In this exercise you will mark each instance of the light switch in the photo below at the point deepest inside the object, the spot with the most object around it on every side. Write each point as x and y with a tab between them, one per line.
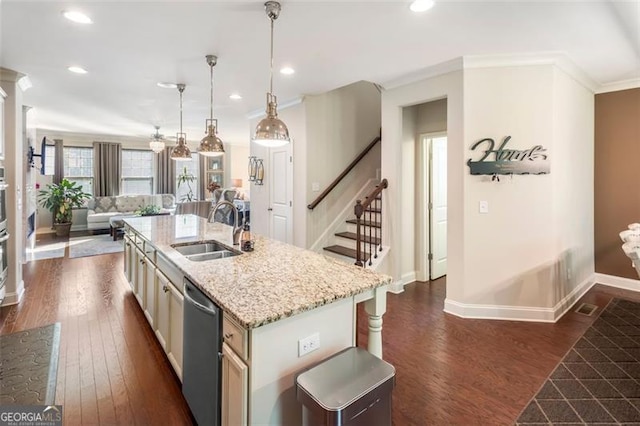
315	187
483	206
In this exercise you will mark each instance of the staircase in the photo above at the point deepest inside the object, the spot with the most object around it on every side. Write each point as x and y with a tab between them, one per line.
364	232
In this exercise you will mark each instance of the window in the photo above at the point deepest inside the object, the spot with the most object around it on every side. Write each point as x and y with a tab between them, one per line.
78	166
50	160
183	189
137	172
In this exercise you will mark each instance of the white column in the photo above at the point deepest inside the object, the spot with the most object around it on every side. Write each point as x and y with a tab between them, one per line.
14	160
376	307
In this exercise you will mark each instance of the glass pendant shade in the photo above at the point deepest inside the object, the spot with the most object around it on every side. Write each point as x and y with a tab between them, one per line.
156	146
157	142
181	151
211	145
271	131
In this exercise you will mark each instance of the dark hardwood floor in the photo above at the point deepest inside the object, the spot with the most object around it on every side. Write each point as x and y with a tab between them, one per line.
448	370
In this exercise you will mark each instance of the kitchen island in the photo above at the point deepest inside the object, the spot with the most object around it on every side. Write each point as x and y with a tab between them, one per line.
272	298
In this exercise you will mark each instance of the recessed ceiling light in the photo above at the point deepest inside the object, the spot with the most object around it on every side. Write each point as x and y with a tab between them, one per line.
421	5
165	85
235	96
77	70
78	17
287	71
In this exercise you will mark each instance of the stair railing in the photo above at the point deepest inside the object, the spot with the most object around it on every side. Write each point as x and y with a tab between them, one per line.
372	238
341	176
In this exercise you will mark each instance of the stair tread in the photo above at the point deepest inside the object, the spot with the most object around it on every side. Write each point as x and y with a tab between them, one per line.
346	252
366	223
352	236
369	209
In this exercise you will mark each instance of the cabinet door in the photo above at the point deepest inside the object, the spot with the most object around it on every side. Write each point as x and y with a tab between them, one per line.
128	259
138	288
162	309
150	293
176	314
234	388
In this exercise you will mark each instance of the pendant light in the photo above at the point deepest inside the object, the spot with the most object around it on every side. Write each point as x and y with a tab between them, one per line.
157	141
181	151
271	131
211	145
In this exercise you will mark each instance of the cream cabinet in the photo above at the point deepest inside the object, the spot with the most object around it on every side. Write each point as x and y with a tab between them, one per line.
162	309
150	290
235	388
128	258
138	282
176	319
235	373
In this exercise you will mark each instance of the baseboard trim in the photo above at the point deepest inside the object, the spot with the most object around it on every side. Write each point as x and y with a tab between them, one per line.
398	286
14	298
519	313
617	282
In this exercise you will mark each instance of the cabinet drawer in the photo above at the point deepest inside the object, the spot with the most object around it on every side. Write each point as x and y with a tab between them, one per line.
150	252
236	337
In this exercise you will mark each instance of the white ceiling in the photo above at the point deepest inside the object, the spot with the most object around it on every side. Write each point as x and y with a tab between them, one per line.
132	45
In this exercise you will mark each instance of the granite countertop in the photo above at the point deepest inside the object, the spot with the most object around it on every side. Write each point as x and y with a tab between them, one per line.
274	281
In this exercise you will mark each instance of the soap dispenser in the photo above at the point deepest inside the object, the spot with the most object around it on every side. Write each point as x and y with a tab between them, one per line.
246	241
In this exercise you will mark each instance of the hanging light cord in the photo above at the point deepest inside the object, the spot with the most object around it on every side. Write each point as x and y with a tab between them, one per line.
271	64
181	90
211	66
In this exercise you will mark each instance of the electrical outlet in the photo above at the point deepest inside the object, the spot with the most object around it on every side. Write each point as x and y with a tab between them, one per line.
308	344
315	186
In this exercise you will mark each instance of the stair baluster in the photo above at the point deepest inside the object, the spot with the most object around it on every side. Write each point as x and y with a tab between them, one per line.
358	212
377	241
370	235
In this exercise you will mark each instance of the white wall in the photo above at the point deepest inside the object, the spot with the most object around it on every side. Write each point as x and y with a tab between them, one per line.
509	251
399	224
535	246
340	124
14	161
294	118
328	132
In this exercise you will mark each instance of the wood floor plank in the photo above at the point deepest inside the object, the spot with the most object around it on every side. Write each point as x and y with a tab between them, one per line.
448	370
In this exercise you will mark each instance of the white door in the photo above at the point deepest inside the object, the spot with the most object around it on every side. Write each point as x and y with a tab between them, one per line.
438	203
281	194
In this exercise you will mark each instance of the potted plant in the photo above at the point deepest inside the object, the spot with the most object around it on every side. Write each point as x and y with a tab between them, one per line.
186	177
60	199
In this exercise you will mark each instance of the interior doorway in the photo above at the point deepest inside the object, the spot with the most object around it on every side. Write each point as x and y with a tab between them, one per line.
281	194
432	208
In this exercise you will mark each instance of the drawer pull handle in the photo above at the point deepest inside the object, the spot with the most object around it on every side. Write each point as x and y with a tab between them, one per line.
165	288
228	336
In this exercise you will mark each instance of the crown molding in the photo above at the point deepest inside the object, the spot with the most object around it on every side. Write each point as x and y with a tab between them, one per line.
425	73
619	85
559	59
10	75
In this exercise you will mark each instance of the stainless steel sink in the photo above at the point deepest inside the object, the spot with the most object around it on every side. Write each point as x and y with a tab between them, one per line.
209	250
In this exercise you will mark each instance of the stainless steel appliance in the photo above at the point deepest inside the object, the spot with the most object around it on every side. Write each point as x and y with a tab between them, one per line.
4	236
3	201
202	353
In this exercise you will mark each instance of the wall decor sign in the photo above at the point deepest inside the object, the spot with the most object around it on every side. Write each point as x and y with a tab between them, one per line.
505	161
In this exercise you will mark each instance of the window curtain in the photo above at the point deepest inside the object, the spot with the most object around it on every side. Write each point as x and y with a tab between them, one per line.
58	162
202	178
107	168
165	172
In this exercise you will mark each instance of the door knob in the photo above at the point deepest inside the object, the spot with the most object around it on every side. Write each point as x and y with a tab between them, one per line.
269	209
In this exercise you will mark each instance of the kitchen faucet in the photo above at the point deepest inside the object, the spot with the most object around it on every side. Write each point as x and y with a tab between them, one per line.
237	229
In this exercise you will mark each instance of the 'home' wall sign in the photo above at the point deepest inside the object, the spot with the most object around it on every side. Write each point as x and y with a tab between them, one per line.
508	161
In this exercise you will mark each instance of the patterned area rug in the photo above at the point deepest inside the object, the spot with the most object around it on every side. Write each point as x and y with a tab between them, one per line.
93	245
28	367
598	381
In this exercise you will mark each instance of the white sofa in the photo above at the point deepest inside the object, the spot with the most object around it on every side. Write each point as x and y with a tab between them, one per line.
101	209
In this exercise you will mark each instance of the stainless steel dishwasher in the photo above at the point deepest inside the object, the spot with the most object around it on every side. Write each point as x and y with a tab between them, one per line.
202	353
